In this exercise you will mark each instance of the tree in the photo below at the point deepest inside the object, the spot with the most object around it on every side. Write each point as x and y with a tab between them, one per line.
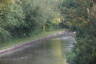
11	17
20	18
80	15
39	13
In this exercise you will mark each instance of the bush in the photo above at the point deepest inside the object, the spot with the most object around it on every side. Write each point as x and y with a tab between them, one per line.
4	35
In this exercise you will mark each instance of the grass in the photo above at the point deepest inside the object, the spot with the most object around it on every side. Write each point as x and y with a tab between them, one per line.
27	39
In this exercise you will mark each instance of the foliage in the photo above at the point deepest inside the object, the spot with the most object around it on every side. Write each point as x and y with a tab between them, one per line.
79	16
4	35
20	18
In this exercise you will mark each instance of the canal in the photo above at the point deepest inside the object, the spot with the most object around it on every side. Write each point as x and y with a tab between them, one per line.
51	51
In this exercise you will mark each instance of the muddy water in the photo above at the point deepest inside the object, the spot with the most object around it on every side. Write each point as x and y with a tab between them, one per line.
46	52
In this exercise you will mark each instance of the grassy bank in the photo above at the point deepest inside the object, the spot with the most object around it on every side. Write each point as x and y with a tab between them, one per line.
27	39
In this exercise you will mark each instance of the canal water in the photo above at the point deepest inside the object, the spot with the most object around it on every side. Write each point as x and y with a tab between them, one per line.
51	51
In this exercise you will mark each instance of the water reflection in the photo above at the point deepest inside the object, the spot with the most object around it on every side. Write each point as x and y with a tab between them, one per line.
47	52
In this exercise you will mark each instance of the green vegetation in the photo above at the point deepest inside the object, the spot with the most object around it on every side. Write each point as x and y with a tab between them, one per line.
19	19
79	16
22	19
